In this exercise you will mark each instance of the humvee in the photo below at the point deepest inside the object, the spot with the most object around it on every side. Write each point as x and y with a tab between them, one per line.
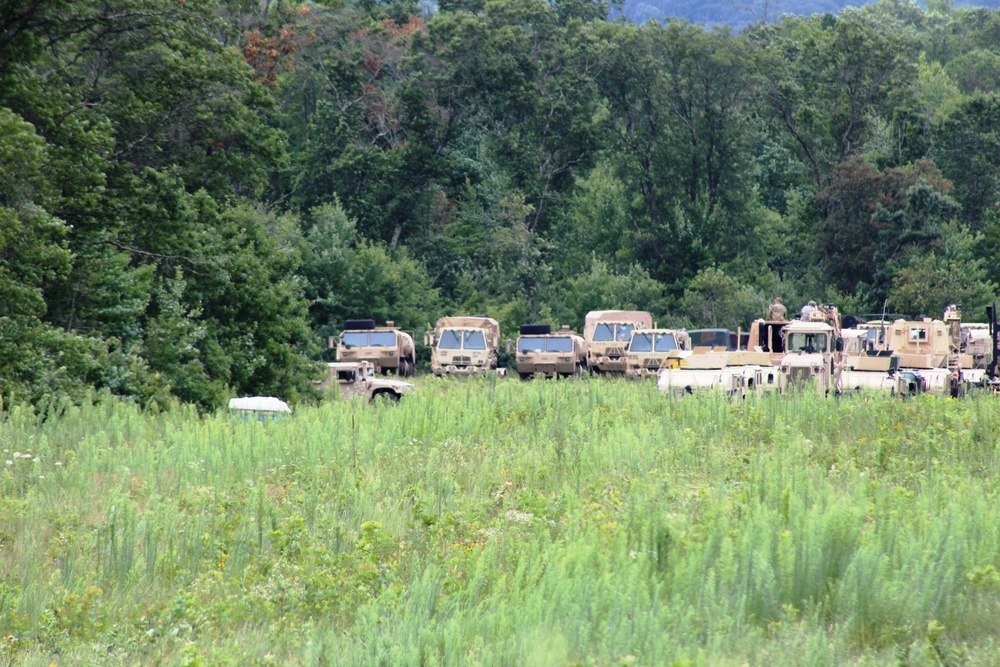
542	353
464	346
607	333
357	378
387	348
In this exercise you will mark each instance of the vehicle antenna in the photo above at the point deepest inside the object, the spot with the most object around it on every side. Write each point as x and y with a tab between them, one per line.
991	314
885	305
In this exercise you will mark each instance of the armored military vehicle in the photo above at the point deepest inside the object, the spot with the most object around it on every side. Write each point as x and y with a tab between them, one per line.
464	346
358	379
387	348
814	356
541	352
650	350
930	350
607	333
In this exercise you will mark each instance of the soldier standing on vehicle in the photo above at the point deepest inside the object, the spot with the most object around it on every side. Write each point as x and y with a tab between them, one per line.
777	312
808	310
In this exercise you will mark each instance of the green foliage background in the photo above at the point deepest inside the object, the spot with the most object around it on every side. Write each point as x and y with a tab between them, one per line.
194	195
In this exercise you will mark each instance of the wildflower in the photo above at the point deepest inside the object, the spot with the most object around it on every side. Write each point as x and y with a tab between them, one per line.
41	477
9	462
17	455
58	463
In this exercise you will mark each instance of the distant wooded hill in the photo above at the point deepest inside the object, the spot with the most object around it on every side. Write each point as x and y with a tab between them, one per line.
738	13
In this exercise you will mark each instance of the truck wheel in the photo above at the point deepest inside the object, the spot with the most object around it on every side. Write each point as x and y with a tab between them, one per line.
524	376
385	397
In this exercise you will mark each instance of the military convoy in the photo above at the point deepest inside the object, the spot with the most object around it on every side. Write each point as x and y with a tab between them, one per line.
464	346
892	355
387	348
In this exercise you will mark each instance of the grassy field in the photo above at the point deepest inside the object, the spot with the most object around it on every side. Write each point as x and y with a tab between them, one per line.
503	523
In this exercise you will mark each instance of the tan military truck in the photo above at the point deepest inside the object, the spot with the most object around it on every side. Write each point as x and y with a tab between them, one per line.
607	333
387	348
540	352
650	350
810	356
464	346
358	379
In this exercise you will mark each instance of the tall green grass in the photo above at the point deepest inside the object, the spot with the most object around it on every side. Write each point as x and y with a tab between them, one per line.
503	523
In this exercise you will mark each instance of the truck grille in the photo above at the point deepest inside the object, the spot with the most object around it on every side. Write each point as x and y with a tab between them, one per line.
799	375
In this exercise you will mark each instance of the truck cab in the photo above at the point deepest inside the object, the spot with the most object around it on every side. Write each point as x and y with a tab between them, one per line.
387	348
808	359
463	345
650	350
540	352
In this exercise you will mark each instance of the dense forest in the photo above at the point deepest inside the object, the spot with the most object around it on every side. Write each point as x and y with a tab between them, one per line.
195	193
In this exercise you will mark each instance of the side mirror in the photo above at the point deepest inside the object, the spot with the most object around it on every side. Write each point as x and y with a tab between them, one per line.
508	345
839	345
427	339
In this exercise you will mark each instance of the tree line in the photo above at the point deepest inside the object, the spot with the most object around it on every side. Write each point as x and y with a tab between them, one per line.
194	194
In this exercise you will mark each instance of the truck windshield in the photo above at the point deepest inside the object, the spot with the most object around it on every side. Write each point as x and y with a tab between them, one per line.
530	344
475	340
665	342
604	332
711	337
806	342
625	331
354	339
450	340
560	344
382	339
641	342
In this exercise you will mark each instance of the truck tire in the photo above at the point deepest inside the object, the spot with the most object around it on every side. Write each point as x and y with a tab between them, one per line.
385	397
